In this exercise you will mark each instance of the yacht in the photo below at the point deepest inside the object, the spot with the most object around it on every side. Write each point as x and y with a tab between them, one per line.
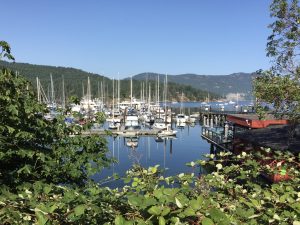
159	123
132	122
181	118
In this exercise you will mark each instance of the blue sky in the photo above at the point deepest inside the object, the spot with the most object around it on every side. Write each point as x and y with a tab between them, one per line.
133	36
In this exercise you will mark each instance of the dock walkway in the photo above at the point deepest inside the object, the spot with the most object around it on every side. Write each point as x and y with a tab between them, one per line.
125	133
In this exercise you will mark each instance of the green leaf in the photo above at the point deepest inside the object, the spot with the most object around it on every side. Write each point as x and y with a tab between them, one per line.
165	211
195	204
207	221
119	220
41	218
153	169
79	210
154	210
189	211
217	215
161	221
178	203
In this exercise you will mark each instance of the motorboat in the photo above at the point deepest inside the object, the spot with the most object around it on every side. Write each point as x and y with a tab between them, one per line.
113	125
159	123
132	122
167	132
181	118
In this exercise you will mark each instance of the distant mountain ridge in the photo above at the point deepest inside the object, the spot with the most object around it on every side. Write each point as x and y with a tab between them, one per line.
219	84
76	83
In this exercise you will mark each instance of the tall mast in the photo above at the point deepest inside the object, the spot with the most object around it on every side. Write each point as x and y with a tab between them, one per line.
158	89
98	86
38	90
166	93
113	100
119	82
88	95
141	94
63	93
131	92
52	90
149	98
103	91
82	90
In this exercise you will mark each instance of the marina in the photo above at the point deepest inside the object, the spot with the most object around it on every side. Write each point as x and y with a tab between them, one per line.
171	153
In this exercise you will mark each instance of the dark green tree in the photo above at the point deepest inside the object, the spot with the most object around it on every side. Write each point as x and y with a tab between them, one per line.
280	85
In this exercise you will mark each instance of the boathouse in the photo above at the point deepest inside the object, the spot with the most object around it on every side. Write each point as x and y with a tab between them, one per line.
249	132
277	134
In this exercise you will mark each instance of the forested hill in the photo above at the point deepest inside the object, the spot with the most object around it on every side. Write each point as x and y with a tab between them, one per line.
220	84
76	82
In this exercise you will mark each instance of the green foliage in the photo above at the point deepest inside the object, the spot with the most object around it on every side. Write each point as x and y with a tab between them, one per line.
280	86
234	193
42	168
5	51
74	99
283	43
281	91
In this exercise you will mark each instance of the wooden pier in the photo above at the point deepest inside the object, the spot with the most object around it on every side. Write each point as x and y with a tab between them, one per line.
125	133
217	138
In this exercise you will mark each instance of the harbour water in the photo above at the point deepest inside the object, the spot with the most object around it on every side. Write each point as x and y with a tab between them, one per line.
171	154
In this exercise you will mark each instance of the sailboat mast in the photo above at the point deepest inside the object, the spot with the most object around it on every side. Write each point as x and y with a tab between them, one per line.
52	90
141	92
149	98
88	90
82	90
118	93
63	93
158	89
113	101
166	93
38	90
131	92
98	86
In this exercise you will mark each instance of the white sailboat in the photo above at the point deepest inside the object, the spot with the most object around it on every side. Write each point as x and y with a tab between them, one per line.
181	118
132	120
113	123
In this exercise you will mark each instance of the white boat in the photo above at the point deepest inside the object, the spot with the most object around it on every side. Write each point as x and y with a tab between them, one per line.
167	132
159	123
181	118
113	125
132	122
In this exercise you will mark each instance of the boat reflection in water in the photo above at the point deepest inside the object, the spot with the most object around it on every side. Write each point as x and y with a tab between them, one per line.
132	142
171	153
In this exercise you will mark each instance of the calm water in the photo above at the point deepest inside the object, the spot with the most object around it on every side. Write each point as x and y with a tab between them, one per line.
170	154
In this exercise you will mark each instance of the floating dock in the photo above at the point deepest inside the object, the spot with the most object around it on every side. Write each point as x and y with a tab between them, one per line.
125	133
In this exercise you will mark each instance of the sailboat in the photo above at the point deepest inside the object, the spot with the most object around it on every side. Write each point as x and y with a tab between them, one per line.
181	117
132	120
113	123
